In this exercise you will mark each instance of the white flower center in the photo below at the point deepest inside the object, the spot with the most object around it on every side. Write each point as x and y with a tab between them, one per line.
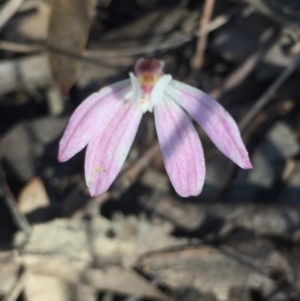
148	100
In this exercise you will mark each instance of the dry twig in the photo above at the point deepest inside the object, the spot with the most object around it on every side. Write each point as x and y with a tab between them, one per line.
20	47
266	97
18	217
203	31
244	69
8	11
15	292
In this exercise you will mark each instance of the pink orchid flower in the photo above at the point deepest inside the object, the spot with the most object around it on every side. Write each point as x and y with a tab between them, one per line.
107	121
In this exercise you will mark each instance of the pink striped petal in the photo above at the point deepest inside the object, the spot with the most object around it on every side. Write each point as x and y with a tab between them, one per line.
214	119
93	113
109	148
181	148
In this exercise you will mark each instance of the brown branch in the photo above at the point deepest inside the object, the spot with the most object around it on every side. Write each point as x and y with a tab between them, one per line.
266	97
17	289
18	217
203	32
244	69
8	10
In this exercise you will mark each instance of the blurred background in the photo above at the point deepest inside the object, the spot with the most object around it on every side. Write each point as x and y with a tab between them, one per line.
238	240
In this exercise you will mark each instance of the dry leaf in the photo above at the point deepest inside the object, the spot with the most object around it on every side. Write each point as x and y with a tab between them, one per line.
113	278
68	33
33	196
32	27
67	241
9	272
219	269
48	288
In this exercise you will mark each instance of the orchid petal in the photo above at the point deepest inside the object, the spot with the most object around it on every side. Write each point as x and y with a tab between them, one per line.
181	148
109	148
158	91
214	119
94	112
136	88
